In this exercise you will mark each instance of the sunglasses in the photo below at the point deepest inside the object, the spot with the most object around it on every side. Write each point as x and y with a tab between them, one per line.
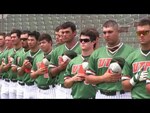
142	32
85	40
23	39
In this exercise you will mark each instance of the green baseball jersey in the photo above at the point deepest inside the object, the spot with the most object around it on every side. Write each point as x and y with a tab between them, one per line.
58	51
2	58
2	54
16	56
26	76
134	62
5	59
10	57
20	63
100	60
42	80
79	89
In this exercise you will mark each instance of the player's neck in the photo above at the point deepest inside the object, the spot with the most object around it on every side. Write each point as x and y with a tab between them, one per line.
87	52
114	47
34	49
145	47
71	44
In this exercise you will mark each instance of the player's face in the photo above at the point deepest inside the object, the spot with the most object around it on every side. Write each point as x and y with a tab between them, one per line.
61	36
2	41
15	39
45	46
57	37
68	34
24	38
32	42
143	34
8	41
85	43
111	36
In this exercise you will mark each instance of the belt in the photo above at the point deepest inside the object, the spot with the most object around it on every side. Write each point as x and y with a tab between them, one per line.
61	85
53	85
111	93
13	80
7	80
43	87
21	83
29	83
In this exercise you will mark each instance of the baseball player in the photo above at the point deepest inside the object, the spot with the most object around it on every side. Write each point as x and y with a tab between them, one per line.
97	37
18	51
58	36
2	49
108	84
20	86
29	61
137	64
58	66
76	69
40	70
5	66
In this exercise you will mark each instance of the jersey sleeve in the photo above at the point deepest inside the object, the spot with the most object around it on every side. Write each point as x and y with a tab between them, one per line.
92	65
68	70
127	69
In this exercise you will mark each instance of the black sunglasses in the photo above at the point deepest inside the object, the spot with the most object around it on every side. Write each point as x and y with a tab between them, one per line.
85	40
23	39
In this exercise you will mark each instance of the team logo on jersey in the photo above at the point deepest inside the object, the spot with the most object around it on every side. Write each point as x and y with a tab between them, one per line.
138	65
38	64
104	62
60	60
75	68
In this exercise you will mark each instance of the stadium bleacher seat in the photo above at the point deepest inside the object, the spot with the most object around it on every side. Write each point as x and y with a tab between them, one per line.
48	22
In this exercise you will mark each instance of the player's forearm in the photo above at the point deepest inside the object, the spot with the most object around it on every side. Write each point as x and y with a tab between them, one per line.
126	85
148	88
69	82
34	74
6	67
92	79
21	71
55	71
1	69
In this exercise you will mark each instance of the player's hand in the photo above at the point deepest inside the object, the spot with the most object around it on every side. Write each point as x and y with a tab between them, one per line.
14	68
41	71
78	77
111	77
143	76
63	64
27	64
139	76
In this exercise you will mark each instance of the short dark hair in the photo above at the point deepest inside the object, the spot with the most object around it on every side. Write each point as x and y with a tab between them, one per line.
58	28
95	31
145	21
45	36
17	31
8	34
35	34
3	34
25	32
110	23
90	33
69	24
